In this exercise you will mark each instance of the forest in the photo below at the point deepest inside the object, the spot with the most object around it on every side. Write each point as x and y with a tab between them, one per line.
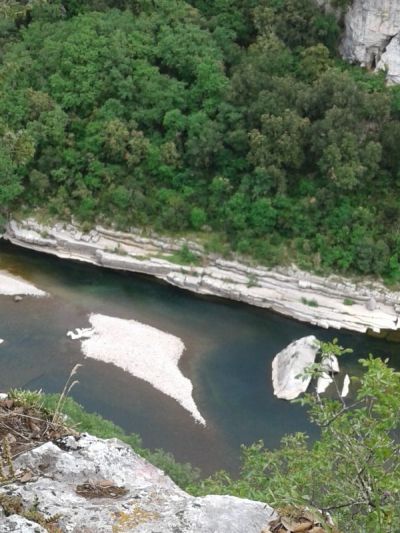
234	120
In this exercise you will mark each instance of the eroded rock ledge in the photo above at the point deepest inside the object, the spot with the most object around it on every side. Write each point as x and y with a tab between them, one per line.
99	486
327	302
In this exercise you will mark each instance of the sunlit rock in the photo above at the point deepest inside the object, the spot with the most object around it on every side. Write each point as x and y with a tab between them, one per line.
150	501
346	386
330	366
371	35
289	365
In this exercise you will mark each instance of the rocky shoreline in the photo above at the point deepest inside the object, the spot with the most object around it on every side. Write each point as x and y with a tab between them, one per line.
326	302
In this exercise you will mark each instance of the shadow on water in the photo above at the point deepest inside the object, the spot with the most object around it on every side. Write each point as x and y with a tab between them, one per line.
229	349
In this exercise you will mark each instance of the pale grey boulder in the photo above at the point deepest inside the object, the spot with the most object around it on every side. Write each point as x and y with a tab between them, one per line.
290	363
372	304
372	28
152	503
390	61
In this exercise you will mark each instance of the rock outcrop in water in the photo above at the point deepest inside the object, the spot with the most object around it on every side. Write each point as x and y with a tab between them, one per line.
371	37
327	302
289	365
102	486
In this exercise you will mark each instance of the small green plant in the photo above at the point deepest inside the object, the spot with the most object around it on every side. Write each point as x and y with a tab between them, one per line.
184	256
310	302
252	281
25	398
348	301
57	416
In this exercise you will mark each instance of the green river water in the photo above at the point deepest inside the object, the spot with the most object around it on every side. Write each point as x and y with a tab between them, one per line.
229	349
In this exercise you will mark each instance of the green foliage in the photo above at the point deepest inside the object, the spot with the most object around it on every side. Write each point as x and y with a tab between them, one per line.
310	302
350	472
235	115
184	256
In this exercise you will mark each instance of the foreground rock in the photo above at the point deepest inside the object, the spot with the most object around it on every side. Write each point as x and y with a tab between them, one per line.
289	364
327	302
145	352
371	38
99	486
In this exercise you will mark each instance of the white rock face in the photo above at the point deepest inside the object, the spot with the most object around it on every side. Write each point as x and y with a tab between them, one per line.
11	285
346	386
18	524
370	26
330	365
323	382
289	363
143	351
80	333
390	61
153	503
282	289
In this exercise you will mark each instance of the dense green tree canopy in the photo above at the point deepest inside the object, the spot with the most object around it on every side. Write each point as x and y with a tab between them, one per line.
234	117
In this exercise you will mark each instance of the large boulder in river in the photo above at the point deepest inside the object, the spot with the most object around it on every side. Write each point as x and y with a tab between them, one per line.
102	486
290	363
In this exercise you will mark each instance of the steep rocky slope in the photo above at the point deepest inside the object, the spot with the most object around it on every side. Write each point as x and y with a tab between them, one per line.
371	37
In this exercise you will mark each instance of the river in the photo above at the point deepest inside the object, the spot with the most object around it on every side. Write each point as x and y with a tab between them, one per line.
229	349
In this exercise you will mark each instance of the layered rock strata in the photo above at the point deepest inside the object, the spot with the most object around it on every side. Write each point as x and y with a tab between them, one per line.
327	302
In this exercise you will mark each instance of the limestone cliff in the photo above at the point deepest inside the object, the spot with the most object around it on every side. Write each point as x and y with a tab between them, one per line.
102	486
371	36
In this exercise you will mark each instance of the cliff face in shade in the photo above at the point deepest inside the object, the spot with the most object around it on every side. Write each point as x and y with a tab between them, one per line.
372	30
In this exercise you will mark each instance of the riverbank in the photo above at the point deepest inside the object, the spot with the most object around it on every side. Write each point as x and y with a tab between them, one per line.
332	302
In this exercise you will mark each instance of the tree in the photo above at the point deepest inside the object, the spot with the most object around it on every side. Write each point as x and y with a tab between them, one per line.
351	471
279	146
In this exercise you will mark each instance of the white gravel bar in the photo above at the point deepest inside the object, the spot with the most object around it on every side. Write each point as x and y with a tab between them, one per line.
11	285
143	351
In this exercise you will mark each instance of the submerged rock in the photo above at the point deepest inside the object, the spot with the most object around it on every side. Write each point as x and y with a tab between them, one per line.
290	363
145	500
